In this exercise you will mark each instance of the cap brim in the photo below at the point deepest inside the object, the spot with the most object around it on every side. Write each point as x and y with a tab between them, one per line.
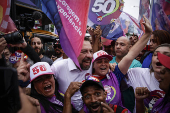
164	60
50	73
89	82
109	57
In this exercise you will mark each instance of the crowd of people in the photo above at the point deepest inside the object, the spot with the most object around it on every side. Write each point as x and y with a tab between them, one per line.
111	79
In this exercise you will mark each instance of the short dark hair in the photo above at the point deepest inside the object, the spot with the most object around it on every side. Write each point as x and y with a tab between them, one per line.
135	35
86	38
35	35
161	36
88	85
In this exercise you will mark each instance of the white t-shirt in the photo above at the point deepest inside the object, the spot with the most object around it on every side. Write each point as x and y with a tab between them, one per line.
65	71
58	59
141	77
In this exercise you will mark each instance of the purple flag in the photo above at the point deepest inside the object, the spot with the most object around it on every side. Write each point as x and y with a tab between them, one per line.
159	18
144	9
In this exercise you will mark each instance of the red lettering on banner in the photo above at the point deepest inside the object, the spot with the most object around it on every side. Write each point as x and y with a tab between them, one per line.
101	53
39	68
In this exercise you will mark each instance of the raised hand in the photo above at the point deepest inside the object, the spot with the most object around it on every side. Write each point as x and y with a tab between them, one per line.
147	24
91	31
112	66
106	108
98	32
23	70
3	44
28	104
141	93
72	88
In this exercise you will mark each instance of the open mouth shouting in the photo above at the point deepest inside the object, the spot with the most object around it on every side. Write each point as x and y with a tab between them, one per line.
158	64
47	88
95	106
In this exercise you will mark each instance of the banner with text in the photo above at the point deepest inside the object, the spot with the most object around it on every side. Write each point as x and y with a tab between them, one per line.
104	13
70	20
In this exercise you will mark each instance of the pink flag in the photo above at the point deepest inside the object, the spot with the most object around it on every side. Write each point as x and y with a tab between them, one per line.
6	23
74	20
70	20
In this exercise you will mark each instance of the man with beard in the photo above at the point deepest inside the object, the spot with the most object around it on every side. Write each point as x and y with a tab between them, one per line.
122	46
59	53
65	71
37	44
93	96
7	54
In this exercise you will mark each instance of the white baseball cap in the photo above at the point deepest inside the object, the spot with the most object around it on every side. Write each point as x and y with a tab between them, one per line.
38	69
101	54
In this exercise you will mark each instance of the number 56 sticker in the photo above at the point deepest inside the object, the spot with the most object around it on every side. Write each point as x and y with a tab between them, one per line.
102	11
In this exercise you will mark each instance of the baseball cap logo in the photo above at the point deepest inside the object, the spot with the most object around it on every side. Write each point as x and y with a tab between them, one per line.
38	69
101	53
93	78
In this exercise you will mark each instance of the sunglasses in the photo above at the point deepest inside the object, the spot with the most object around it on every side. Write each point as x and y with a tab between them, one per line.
57	46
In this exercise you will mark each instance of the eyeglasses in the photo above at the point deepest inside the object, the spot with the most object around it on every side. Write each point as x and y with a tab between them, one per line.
57	46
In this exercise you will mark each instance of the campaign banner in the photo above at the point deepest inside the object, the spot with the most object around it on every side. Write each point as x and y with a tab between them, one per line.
159	15
70	20
116	30
133	28
6	23
124	25
144	9
105	13
101	12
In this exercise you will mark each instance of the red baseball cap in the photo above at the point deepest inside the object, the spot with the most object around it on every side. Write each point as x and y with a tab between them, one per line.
101	54
164	60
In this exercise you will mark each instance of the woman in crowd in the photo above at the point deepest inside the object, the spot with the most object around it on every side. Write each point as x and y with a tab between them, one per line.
111	80
158	37
162	55
45	88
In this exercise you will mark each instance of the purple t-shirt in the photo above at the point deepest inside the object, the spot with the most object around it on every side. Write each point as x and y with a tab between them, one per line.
152	99
158	109
111	86
55	101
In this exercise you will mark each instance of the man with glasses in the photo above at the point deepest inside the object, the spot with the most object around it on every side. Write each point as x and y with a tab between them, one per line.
37	44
